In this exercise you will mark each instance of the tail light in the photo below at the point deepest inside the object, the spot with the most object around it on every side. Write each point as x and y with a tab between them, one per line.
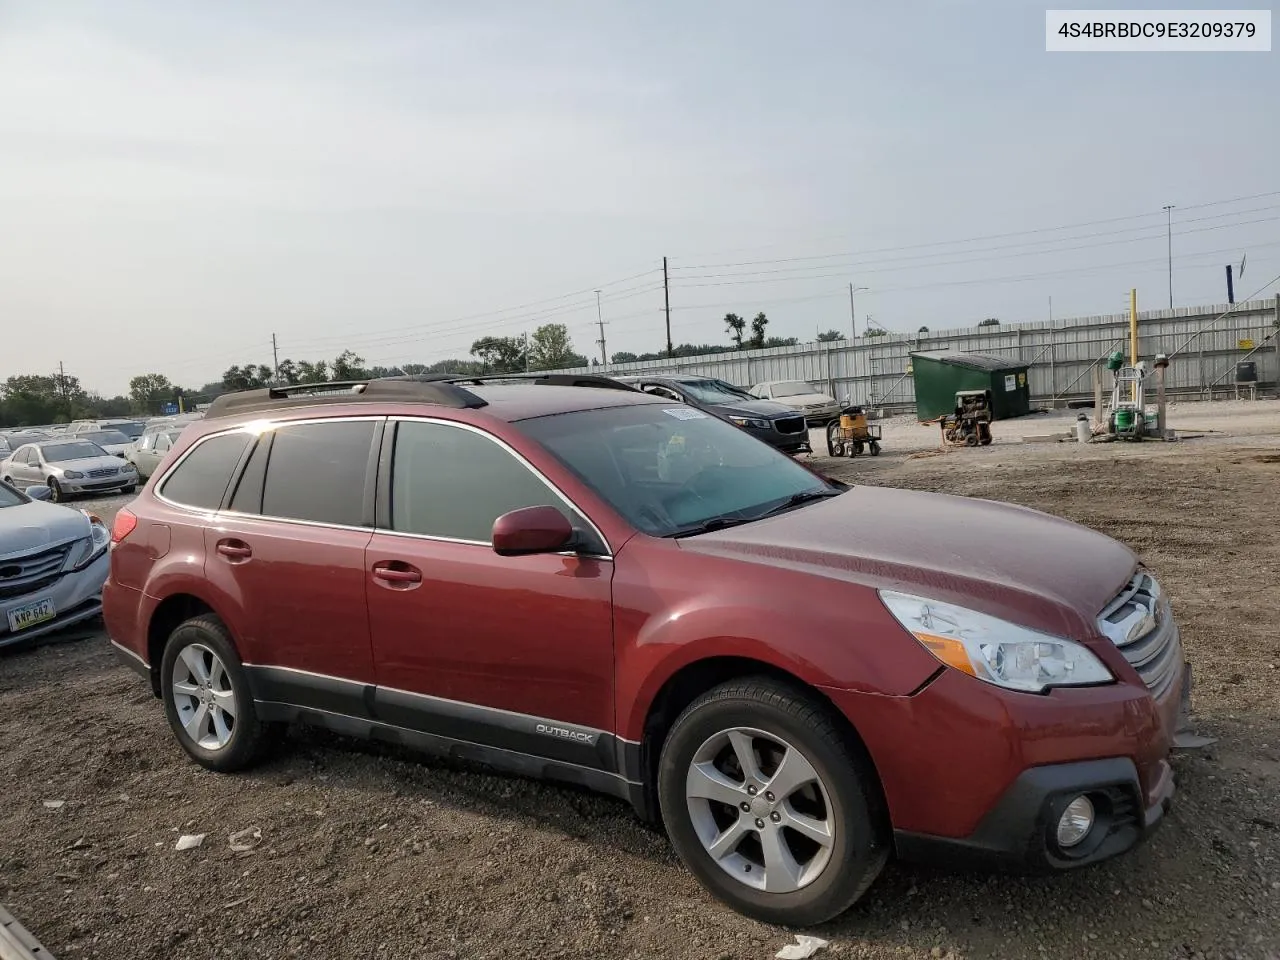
123	525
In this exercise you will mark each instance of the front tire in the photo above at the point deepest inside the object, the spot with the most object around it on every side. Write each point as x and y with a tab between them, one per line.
127	490
771	804
206	696
56	493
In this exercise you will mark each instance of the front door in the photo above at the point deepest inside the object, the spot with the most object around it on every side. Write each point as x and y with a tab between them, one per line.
513	653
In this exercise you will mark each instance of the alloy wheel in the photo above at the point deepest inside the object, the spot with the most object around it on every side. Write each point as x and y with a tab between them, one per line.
760	810
202	694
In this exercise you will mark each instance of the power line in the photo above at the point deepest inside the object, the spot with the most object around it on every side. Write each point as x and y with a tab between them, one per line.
862	266
992	236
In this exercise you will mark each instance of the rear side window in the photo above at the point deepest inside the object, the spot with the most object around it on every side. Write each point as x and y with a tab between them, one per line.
201	479
451	482
316	472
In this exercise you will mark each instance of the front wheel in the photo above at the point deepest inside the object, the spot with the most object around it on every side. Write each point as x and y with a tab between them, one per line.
833	445
206	696
770	803
56	493
127	490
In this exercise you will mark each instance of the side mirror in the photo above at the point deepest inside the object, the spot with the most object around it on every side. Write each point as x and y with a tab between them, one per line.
39	492
531	530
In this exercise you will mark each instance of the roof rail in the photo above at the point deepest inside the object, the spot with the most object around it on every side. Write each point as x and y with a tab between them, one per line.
549	379
441	392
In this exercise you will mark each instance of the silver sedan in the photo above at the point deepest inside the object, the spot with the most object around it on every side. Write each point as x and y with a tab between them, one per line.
68	467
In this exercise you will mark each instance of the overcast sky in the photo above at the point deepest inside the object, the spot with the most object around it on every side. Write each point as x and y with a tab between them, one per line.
178	180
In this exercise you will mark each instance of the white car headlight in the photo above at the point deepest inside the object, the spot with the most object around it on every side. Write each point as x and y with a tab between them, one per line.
72	474
750	422
127	468
995	650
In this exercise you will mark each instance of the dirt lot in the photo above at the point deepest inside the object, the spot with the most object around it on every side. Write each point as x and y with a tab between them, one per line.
370	853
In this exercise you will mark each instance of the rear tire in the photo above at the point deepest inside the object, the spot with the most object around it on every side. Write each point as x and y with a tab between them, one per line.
754	859
207	699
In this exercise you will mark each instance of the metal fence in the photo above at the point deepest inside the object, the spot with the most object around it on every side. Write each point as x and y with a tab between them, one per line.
1204	346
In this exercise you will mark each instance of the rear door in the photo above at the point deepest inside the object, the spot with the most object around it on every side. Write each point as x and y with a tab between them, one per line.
509	652
289	548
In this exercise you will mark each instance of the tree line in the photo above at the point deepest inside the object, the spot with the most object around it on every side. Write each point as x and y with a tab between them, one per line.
36	399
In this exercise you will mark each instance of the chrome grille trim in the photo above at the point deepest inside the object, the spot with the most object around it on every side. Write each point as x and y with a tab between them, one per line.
1140	623
36	571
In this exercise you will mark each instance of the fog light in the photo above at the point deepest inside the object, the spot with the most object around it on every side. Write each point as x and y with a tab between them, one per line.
1076	821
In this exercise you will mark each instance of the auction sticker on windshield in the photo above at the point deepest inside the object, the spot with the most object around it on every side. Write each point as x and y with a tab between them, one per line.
684	413
30	614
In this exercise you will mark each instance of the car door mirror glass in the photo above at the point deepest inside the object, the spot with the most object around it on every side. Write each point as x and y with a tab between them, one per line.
531	530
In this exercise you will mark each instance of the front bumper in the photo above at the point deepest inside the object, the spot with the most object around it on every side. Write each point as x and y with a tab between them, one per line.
97	486
76	597
1020	831
972	772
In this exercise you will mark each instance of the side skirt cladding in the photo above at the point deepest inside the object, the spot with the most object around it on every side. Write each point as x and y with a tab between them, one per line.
511	742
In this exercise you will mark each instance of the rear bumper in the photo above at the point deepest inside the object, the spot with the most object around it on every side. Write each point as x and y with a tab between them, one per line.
1020	831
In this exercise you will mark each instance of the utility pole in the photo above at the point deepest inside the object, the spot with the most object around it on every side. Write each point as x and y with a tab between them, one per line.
1168	219
526	351
604	357
275	359
853	316
62	380
666	296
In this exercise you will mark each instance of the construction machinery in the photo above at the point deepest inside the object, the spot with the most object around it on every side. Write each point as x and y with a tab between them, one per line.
847	436
970	424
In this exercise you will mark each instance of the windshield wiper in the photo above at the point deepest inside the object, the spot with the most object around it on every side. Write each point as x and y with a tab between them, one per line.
798	499
706	526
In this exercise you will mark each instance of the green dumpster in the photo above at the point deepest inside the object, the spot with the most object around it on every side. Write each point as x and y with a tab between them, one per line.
938	374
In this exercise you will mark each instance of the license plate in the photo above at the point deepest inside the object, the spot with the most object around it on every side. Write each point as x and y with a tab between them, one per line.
31	614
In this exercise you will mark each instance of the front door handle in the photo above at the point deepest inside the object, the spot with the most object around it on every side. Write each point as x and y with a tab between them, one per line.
237	551
397	574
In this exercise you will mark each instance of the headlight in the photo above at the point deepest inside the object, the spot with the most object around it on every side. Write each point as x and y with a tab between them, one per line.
72	474
127	468
994	650
87	549
750	422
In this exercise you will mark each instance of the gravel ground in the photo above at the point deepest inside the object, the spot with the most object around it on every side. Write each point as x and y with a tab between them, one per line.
368	852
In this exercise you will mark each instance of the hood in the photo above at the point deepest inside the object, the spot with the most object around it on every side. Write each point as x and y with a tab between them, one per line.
766	409
85	464
30	526
1004	560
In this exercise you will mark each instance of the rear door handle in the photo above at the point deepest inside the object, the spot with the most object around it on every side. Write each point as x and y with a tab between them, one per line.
397	574
234	550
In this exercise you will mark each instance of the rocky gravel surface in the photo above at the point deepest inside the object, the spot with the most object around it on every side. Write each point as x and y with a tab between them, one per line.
370	852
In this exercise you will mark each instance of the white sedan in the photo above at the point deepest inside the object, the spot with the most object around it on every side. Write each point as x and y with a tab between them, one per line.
53	563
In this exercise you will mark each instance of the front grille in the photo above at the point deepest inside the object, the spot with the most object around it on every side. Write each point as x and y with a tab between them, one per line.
789	425
103	472
22	575
1140	623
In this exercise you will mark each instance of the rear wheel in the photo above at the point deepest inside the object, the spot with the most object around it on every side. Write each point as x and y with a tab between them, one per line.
770	805
206	696
875	448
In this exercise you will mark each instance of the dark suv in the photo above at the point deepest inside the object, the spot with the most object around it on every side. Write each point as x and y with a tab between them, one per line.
775	423
795	677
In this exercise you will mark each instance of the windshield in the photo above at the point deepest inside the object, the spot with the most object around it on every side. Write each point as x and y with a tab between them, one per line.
669	470
132	429
72	450
104	437
714	391
794	388
10	497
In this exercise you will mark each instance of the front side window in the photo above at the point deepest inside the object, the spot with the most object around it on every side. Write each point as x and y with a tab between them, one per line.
201	479
450	482
671	470
316	472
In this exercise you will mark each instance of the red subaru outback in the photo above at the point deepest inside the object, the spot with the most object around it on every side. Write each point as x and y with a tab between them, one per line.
797	678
